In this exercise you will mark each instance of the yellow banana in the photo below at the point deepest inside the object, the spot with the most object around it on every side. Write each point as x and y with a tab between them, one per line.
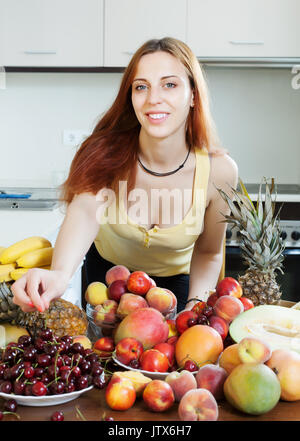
5	271
2	249
36	258
13	252
19	272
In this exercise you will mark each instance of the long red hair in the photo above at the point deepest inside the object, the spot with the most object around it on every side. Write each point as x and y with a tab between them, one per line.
109	154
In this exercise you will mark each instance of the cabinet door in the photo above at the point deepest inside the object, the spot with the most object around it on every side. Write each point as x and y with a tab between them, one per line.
244	28
52	32
128	24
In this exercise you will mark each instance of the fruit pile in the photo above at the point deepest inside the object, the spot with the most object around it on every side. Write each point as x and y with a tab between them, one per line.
48	365
123	293
18	258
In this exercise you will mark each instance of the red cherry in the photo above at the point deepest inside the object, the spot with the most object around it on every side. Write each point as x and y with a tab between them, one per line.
191	366
39	389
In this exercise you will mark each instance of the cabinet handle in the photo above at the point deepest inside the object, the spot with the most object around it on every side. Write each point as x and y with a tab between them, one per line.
257	43
127	53
40	52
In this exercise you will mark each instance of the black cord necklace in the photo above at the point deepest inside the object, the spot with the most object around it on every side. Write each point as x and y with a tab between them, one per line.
167	173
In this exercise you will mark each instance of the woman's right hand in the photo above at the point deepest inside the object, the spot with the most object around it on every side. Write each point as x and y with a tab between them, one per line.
36	288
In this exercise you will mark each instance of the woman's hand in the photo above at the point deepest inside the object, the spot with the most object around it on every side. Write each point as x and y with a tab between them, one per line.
36	289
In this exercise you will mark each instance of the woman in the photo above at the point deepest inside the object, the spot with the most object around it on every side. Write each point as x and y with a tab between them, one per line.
158	137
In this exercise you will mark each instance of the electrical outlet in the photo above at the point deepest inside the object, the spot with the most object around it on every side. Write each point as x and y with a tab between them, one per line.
74	138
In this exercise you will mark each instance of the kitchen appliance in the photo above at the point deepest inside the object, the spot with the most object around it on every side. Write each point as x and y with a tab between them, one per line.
289	197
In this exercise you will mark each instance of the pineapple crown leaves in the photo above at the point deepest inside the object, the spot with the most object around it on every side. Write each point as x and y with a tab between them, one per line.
261	244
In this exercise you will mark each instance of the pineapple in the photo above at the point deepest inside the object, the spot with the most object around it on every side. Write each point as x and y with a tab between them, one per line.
261	244
63	317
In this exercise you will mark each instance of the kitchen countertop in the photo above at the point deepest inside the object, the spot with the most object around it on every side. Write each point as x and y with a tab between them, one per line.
40	198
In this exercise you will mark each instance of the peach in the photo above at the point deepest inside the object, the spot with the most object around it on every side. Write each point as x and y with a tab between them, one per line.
159	299
182	320
286	365
229	358
128	349
254	350
146	325
106	313
201	344
84	340
212	378
158	396
104	347
220	325
181	382
153	360
120	393
228	307
174	304
198	405
229	287
172	328
130	302
96	293
117	272
138	380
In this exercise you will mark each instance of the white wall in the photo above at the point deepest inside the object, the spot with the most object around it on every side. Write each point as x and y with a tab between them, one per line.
256	111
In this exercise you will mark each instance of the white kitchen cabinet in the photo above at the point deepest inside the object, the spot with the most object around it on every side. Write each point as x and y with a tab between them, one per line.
52	32
244	28
128	24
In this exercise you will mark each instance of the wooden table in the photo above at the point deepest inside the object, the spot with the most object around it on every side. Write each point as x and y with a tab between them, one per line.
93	406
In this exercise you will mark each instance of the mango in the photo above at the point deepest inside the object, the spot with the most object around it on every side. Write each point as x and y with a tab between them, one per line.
252	388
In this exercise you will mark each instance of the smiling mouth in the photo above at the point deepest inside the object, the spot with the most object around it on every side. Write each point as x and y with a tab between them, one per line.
157	117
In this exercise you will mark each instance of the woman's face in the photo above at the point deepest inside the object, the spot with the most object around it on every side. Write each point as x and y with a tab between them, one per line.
161	95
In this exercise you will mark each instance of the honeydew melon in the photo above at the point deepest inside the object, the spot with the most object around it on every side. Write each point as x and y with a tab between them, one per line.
277	325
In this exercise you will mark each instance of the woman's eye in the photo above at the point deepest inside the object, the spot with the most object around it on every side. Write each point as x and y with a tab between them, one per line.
140	87
170	85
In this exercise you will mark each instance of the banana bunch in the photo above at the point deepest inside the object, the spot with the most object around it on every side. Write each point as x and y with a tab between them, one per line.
18	258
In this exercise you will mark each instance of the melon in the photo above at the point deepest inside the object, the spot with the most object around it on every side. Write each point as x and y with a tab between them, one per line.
277	325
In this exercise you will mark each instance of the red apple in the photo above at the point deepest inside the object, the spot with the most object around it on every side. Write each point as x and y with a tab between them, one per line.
199	306
128	349
229	287
153	283
158	396
154	361
120	393
183	318
139	283
220	325
117	289
212	299
248	304
168	350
